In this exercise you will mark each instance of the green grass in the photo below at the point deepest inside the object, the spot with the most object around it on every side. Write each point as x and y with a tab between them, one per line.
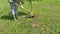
48	21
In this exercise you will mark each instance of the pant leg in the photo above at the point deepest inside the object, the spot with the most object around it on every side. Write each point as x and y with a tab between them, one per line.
16	9
12	8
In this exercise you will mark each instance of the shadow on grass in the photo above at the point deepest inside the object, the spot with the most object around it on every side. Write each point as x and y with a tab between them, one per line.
6	17
21	13
10	17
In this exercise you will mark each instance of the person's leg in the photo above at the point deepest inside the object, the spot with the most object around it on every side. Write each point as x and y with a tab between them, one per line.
16	8
16	11
13	5
13	10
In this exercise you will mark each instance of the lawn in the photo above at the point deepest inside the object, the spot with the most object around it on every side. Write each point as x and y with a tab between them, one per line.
48	21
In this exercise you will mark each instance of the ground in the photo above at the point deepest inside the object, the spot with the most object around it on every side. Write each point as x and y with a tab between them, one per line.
48	21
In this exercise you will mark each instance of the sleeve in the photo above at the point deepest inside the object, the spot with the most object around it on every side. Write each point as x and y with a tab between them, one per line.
20	1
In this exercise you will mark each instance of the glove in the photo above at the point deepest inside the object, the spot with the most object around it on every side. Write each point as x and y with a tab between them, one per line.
22	7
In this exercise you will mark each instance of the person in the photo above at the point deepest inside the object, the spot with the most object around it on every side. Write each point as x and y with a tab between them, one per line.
14	7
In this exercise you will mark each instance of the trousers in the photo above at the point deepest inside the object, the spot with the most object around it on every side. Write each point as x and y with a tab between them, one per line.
14	7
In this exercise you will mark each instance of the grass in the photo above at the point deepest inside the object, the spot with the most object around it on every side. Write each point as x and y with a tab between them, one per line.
47	23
